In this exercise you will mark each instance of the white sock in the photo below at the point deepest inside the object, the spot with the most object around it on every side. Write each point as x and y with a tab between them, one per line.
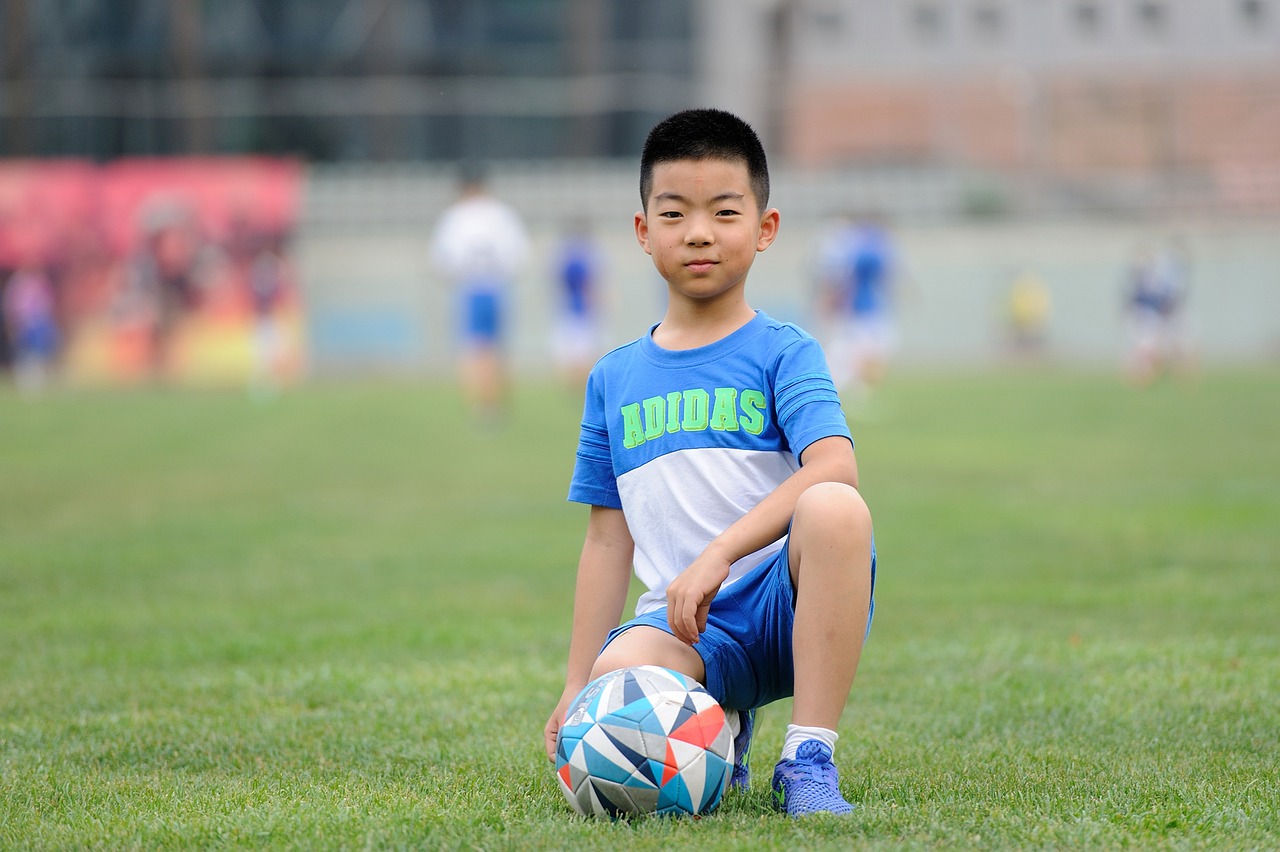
734	722
796	734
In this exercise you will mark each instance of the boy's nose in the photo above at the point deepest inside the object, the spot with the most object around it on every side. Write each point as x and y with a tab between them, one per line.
699	234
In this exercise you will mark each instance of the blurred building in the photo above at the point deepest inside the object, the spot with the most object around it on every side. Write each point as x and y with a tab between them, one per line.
1054	89
1057	90
339	80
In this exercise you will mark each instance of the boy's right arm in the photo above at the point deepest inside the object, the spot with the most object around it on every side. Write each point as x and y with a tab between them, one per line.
604	578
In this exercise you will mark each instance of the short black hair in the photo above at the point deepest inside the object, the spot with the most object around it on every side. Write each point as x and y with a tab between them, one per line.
705	134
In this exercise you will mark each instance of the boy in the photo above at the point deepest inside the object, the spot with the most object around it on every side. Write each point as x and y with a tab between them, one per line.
715	457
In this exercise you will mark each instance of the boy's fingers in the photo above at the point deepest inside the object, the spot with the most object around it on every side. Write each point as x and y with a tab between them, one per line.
549	742
678	626
694	626
687	627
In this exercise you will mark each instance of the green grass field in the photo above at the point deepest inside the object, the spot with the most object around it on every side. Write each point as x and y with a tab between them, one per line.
339	620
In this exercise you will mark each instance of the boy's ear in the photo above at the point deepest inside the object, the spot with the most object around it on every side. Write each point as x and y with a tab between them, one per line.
642	231
769	223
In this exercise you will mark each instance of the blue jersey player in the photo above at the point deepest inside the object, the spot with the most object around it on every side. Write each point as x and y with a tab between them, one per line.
858	269
718	464
578	271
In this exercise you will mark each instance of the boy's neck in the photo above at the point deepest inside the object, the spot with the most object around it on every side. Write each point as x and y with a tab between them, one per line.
691	325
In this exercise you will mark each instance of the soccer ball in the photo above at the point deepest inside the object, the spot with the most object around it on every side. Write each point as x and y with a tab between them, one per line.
644	740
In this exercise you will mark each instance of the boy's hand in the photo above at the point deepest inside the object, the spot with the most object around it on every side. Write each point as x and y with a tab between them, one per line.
689	596
557	719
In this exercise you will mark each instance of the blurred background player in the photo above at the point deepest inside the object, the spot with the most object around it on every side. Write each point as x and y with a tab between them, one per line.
165	278
479	245
1027	309
1155	300
858	269
268	278
30	320
579	266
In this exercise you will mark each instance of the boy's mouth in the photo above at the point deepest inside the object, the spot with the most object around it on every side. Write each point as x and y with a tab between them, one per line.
700	265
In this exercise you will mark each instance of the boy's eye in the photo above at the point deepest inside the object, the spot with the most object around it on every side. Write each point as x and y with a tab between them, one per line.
670	214
727	213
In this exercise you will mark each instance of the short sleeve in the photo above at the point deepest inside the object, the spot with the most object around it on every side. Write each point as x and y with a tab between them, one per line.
807	404
594	481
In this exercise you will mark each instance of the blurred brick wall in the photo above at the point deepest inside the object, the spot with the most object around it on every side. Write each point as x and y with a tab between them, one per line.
1070	128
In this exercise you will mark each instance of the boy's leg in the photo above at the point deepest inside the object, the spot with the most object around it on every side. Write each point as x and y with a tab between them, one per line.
830	564
649	646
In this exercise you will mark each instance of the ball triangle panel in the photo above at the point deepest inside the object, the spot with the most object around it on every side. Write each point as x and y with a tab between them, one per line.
722	744
642	778
605	701
613	797
622	733
685	754
601	740
694	776
577	758
632	689
565	774
674	797
576	730
599	804
659	771
718	773
701	728
654	723
625	740
655	744
613	695
656	678
600	766
588	802
637	711
644	800
670	766
662	693
668	714
686	712
576	777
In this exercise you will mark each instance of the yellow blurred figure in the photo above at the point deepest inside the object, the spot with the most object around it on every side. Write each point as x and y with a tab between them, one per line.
1028	311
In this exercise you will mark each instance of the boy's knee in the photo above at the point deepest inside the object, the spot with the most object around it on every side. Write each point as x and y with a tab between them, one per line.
835	507
831	520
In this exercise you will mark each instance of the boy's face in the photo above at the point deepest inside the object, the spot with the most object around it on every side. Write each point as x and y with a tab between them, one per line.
703	227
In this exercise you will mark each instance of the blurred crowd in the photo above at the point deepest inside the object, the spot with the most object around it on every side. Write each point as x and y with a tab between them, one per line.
145	273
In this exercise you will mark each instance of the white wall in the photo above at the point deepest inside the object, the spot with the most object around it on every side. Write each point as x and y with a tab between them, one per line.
374	301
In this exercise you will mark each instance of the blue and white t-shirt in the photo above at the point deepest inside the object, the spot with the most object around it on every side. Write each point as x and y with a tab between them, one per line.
686	442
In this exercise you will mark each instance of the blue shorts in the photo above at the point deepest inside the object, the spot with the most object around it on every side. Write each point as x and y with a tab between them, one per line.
480	315
746	647
38	340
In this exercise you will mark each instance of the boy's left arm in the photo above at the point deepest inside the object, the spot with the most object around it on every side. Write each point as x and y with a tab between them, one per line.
689	596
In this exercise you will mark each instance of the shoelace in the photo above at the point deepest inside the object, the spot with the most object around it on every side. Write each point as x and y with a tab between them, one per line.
824	772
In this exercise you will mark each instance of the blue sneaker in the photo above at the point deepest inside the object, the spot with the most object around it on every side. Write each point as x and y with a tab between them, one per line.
742	750
808	784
